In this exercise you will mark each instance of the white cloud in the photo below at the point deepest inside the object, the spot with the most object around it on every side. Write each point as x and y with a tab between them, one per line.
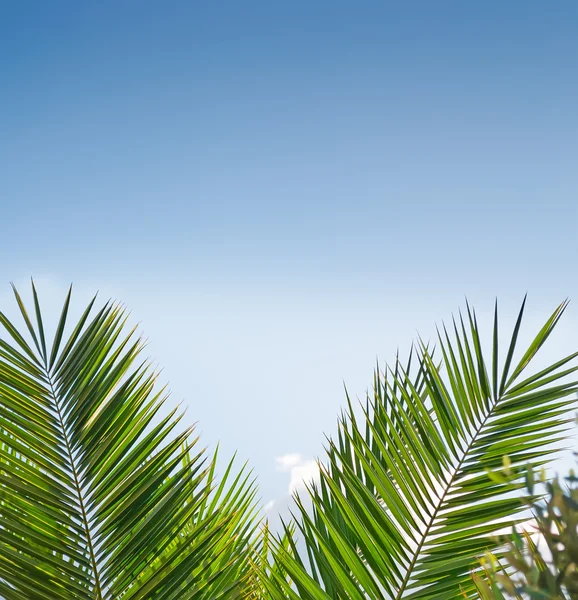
288	461
303	474
301	471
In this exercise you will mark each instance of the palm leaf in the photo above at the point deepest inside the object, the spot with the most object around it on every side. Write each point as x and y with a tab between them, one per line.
413	490
100	496
266	571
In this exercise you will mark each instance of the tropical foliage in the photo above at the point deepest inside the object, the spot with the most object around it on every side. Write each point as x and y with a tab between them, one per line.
411	491
541	560
103	495
99	497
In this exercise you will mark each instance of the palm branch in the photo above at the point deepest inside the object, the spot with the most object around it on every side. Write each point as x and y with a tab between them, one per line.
265	570
103	495
413	489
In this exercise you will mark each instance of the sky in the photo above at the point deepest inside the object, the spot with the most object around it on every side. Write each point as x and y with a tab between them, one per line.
284	193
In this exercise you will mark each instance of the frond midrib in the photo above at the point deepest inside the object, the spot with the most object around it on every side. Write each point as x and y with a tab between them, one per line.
440	503
77	488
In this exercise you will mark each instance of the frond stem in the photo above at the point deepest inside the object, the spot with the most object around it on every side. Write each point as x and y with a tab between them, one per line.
439	505
78	490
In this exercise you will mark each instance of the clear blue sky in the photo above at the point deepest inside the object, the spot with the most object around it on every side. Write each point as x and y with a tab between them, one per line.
282	191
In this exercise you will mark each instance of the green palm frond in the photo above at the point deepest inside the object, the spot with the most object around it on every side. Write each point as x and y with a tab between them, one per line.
413	492
266	572
101	497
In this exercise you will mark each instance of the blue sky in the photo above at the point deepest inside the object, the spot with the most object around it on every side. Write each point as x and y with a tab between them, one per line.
282	192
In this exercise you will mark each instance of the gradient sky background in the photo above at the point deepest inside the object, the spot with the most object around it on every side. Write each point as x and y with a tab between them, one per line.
283	192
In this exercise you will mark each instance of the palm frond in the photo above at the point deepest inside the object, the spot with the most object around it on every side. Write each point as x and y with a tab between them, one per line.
267	578
411	492
101	497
